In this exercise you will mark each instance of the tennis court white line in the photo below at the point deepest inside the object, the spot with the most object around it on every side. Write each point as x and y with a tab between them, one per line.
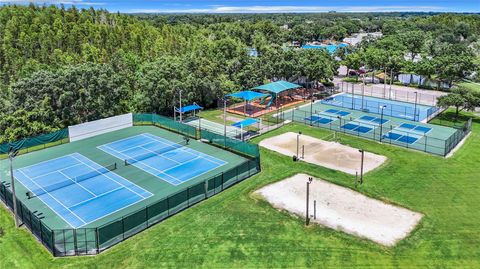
173	145
180	164
141	161
198	156
161	155
197	175
106	175
142	198
204	156
61	204
136	146
202	173
414	131
113	212
90	199
68	209
46	162
167	143
185	149
161	172
76	183
49	173
141	145
123	139
397	140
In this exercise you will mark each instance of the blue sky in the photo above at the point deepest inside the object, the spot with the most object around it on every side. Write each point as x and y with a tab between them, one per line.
241	6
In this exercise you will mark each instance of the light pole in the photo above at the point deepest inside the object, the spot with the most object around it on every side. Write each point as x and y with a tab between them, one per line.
307	218
311	109
384	81
11	157
353	96
391	82
298	142
415	109
363	93
180	109
381	121
225	121
361	164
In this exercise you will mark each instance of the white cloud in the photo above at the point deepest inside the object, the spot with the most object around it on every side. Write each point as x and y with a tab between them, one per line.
291	9
52	2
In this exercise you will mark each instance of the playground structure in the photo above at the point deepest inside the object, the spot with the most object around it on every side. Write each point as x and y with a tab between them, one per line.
267	98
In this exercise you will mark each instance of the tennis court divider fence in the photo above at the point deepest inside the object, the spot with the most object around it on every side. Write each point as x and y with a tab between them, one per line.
427	144
91	241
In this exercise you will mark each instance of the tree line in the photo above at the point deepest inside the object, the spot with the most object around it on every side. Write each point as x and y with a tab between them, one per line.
61	66
445	47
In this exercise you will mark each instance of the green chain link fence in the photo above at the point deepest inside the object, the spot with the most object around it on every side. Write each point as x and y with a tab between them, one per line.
37	142
90	241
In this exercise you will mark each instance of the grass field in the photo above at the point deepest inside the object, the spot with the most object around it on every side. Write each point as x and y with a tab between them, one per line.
470	85
234	229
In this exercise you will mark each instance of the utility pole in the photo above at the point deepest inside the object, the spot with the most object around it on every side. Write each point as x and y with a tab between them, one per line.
384	82
180	110
415	109
381	121
11	157
298	143
225	121
363	94
353	96
311	105
391	82
307	218
361	165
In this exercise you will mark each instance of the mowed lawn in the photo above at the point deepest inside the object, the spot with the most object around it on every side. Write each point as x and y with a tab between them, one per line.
234	229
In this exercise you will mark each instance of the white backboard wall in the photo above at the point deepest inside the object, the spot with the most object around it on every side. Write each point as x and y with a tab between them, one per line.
94	128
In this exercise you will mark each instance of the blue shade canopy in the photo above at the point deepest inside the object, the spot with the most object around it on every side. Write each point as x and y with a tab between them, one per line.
189	108
278	86
244	123
247	95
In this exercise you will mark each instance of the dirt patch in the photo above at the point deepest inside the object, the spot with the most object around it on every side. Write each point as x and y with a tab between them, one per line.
342	209
328	154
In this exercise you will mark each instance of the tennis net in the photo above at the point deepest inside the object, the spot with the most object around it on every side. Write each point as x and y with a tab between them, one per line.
70	181
154	153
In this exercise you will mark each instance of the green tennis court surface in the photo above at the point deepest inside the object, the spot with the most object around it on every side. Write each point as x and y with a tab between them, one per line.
434	139
45	172
232	131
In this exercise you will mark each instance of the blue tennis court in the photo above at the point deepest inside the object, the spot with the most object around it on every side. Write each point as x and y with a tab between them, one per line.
319	119
414	128
335	112
79	190
403	110
364	124
372	120
172	162
407	133
327	116
357	127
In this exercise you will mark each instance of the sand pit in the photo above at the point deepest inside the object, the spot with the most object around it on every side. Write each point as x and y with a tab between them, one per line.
328	154
343	209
